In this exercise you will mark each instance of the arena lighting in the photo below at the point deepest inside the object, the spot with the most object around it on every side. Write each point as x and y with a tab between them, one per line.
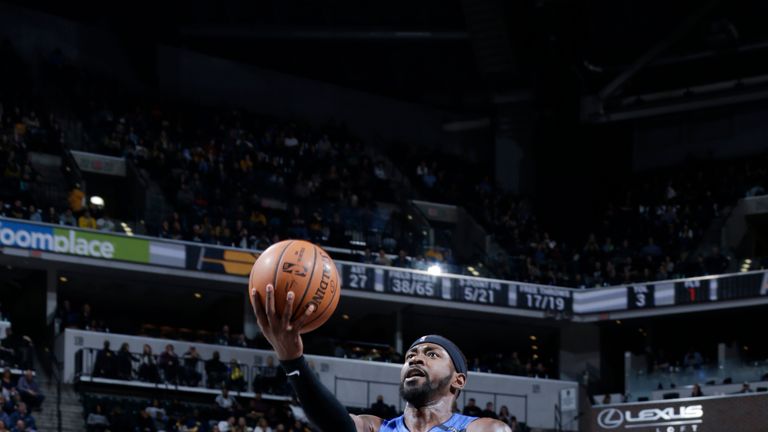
435	269
532	337
63	279
747	261
345	317
198	295
97	201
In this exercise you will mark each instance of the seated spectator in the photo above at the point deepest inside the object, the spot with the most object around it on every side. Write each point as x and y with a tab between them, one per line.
21	426
235	376
154	409
226	403
125	362
242	426
169	364
29	390
270	378
515	426
216	371
8	384
262	426
145	423
489	411
22	415
504	414
67	218
97	421
105	364
696	391
256	408
147	366
86	221
471	409
223	338
120	421
379	408
190	375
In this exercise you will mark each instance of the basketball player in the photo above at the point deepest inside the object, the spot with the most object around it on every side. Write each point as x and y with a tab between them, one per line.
431	378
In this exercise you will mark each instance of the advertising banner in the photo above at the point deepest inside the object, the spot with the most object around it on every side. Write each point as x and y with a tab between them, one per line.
743	413
71	241
100	164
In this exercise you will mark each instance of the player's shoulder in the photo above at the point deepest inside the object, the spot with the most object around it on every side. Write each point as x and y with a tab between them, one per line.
488	425
367	423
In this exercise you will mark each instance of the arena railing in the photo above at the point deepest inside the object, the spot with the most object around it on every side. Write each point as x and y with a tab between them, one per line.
85	361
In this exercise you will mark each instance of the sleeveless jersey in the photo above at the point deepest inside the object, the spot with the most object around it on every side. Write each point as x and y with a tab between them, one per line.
457	423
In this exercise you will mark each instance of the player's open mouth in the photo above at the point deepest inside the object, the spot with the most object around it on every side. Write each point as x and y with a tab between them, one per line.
414	373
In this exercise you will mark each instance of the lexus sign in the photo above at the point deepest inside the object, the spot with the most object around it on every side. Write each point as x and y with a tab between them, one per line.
743	413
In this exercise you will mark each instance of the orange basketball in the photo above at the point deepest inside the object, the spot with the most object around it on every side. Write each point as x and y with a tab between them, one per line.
305	269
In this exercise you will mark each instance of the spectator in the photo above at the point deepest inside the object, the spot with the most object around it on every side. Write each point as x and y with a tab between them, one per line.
383	259
22	415
745	388
716	262
120	421
270	378
504	414
696	391
226	403
67	218
235	376
145	423
155	410
86	221
125	362
21	426
471	409
29	390
97	421
147	366
190	375
380	409
76	199
169	364
515	426
105	223
34	214
105	365
262	426
216	371
256	408
489	411
402	259
223	338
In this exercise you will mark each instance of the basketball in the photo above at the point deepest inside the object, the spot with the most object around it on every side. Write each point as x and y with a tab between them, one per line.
305	269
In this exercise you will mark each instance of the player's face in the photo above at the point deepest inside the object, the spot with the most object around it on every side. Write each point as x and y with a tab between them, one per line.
427	371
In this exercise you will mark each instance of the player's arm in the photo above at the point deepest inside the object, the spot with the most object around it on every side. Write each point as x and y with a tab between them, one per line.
321	406
488	425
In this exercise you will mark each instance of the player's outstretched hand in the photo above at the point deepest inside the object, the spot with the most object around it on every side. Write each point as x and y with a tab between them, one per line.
283	335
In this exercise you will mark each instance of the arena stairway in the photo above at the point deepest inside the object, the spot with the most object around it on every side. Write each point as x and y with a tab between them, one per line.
72	417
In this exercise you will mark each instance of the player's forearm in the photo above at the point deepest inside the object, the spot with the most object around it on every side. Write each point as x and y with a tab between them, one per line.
321	406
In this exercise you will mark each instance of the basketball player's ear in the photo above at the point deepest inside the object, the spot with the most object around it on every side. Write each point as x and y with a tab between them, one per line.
459	380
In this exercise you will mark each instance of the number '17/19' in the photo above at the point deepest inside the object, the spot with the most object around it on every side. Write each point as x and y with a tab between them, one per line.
538	301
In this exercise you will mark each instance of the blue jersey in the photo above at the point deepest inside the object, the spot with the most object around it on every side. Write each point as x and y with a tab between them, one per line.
457	423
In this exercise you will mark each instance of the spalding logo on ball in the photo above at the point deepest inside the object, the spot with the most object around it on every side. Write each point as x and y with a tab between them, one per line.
305	269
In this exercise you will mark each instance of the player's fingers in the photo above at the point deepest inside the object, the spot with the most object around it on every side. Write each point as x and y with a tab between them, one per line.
287	310
258	308
299	323
270	306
